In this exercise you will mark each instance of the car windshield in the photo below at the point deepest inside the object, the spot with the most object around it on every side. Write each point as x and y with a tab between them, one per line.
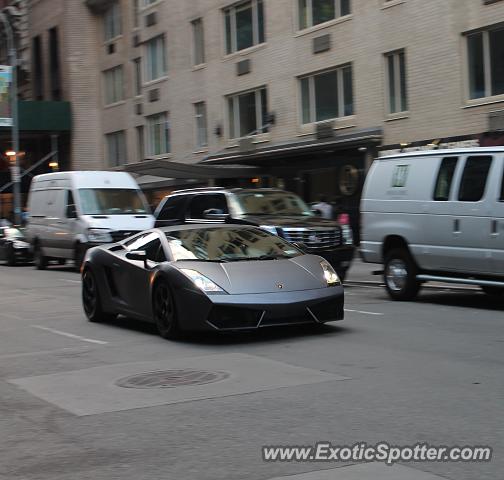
272	203
111	201
228	245
13	233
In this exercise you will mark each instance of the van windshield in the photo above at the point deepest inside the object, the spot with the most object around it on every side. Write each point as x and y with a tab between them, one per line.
111	201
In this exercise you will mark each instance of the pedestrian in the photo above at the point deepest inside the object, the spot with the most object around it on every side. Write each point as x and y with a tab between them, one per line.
325	209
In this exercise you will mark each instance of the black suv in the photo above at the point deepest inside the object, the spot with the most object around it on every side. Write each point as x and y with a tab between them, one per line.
279	212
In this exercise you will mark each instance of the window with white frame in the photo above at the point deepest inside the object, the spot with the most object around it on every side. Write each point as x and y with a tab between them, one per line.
146	3
485	52
200	114
244	25
397	91
116	148
327	95
315	12
112	27
247	113
155	59
136	13
198	41
114	85
158	131
140	142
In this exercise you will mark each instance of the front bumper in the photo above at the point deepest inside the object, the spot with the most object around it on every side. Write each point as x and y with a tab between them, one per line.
253	311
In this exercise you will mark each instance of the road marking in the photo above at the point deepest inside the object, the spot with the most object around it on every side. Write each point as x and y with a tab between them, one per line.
43	352
364	312
70	281
70	335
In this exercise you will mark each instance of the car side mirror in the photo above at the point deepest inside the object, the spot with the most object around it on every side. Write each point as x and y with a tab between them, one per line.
137	255
215	214
71	211
301	246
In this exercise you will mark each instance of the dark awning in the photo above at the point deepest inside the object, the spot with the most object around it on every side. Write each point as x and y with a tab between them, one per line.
177	170
258	155
41	116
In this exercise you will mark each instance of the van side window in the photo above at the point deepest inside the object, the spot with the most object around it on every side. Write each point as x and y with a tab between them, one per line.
444	179
70	206
474	178
501	198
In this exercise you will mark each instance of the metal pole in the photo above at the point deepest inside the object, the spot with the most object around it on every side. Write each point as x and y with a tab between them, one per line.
15	121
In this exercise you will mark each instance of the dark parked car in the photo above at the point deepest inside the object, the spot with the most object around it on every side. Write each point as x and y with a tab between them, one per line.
13	246
276	211
215	277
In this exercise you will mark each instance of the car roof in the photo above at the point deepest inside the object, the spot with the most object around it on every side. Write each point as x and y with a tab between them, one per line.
194	191
203	226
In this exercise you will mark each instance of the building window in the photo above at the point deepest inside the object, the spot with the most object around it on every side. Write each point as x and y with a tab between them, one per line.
38	69
146	3
314	12
114	89
155	59
136	13
244	25
140	142
137	65
198	42
486	63
54	62
327	95
112	21
200	114
248	113
158	127
396	81
116	148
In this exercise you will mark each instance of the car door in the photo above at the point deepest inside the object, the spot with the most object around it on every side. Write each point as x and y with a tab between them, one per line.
133	276
202	204
496	221
471	218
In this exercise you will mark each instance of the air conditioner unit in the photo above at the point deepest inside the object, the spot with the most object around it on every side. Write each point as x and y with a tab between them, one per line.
496	121
324	130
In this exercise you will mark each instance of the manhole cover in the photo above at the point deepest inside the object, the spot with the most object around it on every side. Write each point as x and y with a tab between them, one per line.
171	379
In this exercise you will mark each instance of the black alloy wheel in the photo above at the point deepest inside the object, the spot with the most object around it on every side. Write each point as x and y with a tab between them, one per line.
11	256
164	311
91	299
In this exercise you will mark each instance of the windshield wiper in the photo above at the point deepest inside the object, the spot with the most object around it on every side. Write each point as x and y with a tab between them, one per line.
202	260
262	257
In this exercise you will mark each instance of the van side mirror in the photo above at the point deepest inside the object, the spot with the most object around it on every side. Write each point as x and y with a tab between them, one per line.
215	214
137	255
71	211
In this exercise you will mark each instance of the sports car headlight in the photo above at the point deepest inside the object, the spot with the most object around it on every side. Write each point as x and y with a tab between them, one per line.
99	235
330	276
201	281
270	229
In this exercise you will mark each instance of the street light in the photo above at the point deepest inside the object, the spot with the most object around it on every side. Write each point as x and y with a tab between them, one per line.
15	121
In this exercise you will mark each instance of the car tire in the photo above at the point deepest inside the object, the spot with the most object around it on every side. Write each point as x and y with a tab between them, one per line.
164	312
495	292
400	275
39	259
91	301
79	253
11	257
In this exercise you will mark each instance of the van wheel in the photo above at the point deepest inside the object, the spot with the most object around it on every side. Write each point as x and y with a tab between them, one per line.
400	275
496	292
39	258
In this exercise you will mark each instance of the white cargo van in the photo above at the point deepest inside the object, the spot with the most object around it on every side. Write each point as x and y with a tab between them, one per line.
70	212
436	216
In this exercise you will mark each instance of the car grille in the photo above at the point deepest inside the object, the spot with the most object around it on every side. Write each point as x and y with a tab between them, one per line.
119	235
315	239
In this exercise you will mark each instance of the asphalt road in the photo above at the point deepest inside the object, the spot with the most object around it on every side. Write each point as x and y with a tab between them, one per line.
429	371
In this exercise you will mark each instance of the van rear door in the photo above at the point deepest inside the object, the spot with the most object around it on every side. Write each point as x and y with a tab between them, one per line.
496	220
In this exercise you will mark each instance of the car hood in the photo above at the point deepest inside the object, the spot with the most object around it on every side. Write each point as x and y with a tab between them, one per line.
134	223
265	276
293	221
